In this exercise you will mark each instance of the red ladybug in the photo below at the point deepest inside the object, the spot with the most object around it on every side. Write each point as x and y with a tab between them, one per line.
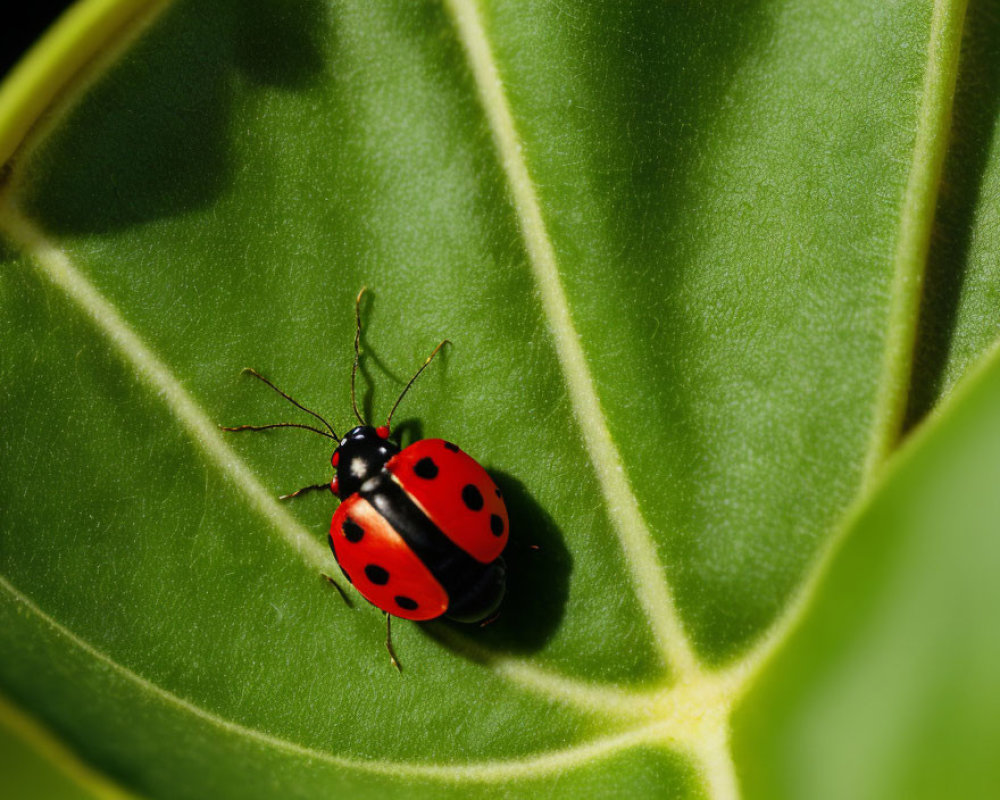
420	530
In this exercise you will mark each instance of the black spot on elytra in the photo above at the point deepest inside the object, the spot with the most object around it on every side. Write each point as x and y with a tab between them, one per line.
496	525
472	497
377	574
407	603
450	446
425	468
352	531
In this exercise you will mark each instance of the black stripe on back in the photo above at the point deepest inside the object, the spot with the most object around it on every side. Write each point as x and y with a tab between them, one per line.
454	569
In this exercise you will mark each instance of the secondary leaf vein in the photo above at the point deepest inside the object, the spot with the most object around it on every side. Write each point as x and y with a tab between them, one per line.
652	589
54	264
910	259
915	225
486	772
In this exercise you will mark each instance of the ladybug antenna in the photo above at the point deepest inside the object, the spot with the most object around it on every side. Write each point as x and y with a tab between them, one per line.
416	375
277	425
357	353
295	403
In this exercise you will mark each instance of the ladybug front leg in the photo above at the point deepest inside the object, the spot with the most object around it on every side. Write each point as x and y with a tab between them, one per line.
388	642
303	490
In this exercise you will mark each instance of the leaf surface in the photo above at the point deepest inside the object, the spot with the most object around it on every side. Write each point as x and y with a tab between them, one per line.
679	252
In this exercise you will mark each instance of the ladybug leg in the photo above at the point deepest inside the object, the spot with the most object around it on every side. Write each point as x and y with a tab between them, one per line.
490	620
388	642
339	588
304	489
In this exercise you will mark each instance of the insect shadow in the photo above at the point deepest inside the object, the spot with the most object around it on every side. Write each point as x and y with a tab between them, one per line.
538	570
369	362
408	431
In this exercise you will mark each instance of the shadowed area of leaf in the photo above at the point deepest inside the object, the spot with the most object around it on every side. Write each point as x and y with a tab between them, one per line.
962	285
180	148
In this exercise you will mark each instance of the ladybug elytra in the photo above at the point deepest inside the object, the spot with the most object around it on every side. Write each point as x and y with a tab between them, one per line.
420	529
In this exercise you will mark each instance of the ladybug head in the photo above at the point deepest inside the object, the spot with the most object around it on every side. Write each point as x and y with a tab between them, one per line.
360	455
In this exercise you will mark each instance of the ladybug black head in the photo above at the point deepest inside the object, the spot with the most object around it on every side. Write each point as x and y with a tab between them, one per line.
361	455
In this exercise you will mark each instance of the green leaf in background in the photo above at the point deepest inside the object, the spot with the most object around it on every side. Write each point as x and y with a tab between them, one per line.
889	688
35	766
680	250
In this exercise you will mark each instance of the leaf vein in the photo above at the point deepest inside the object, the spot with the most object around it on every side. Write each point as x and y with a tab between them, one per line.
910	257
915	227
57	267
486	771
652	588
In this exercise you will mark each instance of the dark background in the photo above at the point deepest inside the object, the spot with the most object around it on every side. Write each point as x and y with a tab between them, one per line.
24	27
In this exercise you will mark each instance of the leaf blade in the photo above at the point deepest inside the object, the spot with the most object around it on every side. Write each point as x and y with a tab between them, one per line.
888	674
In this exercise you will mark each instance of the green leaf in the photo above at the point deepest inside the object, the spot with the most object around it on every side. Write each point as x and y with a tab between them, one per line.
37	767
889	687
679	250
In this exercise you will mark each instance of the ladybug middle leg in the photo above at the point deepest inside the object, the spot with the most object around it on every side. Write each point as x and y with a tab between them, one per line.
339	588
388	641
490	620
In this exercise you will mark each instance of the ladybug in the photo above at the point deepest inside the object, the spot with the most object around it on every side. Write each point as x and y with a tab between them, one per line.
420	530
